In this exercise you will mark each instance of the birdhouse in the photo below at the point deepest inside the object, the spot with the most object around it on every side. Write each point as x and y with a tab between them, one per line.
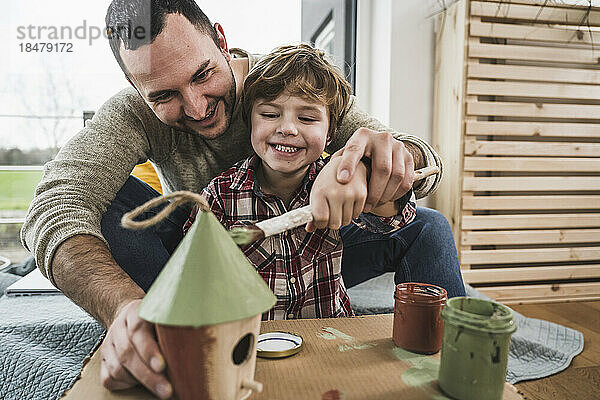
206	305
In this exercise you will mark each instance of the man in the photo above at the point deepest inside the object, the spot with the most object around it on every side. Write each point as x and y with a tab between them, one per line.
183	114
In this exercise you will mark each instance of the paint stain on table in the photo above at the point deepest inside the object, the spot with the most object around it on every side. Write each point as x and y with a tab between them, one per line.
350	343
333	395
422	373
332	334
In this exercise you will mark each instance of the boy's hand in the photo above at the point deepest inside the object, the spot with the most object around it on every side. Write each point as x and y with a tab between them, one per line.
392	165
335	204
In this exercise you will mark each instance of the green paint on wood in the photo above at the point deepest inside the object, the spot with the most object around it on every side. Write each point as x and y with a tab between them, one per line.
404	355
363	346
339	334
425	362
418	376
344	347
423	370
326	336
351	343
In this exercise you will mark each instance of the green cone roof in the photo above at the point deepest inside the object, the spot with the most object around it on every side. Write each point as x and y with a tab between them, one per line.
207	281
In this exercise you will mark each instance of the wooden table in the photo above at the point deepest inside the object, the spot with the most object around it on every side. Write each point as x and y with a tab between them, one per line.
342	358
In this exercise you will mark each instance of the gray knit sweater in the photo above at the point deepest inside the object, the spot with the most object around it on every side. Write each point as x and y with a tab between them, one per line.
83	179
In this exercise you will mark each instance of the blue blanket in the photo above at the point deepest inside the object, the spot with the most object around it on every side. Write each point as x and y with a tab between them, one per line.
43	343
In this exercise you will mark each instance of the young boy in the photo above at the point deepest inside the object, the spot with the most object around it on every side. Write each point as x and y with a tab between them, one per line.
293	101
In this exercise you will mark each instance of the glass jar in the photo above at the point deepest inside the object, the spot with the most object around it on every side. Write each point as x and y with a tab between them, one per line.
475	348
418	324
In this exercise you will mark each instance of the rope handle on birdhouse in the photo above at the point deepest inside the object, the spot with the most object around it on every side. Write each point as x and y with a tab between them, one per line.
178	198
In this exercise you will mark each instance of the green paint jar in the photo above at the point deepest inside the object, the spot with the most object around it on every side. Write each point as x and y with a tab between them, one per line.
475	348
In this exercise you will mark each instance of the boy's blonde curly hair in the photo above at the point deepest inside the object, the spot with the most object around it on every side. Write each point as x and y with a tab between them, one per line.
302	71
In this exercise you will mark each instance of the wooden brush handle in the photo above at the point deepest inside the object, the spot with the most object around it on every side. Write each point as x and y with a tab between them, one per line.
287	221
425	172
303	215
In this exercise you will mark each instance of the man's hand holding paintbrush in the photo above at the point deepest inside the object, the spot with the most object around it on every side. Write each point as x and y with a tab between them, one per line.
354	202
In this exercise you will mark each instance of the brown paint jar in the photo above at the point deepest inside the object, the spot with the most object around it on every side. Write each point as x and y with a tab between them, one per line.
418	325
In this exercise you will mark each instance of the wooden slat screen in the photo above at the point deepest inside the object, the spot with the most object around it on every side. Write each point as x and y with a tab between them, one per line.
531	145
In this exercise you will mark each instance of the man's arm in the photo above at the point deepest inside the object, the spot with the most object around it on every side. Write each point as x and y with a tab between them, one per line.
86	272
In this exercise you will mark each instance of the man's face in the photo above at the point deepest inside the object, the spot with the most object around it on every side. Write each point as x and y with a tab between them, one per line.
185	78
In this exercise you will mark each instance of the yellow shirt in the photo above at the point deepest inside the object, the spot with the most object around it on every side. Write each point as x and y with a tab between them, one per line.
147	173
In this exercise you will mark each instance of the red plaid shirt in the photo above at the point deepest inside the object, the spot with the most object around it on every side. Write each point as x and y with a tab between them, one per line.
302	269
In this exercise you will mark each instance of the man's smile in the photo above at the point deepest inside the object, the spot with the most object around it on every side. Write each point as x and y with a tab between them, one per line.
208	119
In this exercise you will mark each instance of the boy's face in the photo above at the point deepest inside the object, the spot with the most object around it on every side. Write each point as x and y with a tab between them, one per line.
289	133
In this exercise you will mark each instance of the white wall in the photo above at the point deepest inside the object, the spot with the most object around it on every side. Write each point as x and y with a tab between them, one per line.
395	63
373	57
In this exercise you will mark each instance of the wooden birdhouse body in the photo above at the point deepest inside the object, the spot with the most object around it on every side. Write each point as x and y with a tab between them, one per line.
212	362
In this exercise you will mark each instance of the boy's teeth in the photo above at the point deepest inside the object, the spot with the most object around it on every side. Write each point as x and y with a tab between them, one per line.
286	149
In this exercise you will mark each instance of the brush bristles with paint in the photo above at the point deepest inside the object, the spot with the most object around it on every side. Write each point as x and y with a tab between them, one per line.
272	226
293	219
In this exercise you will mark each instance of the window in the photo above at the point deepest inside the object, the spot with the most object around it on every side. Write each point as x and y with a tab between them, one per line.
330	25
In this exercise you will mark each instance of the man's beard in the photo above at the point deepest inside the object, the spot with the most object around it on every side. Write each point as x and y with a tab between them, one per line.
229	102
228	107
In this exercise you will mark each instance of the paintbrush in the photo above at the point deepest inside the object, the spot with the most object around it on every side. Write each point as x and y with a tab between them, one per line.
292	219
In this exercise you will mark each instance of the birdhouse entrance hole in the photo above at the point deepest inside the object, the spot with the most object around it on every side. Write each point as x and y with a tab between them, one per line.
242	349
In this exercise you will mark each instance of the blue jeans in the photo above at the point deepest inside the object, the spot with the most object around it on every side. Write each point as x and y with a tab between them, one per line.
423	251
141	253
